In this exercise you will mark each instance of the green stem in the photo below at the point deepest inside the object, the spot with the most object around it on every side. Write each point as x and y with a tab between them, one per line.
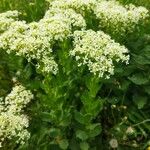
144	121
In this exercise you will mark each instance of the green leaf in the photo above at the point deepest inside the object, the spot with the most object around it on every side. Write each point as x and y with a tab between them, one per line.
93	85
84	146
124	85
34	84
94	129
65	117
40	136
54	132
27	72
140	101
83	119
74	144
139	79
45	116
147	89
82	135
91	105
64	144
141	60
96	107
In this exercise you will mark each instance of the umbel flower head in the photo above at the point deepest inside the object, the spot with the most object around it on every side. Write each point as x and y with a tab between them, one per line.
35	40
118	20
7	18
14	124
17	99
80	6
98	51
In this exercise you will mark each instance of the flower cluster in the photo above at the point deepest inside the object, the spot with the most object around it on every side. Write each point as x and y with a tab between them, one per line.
34	40
118	20
98	51
6	19
73	18
79	5
29	41
14	124
18	99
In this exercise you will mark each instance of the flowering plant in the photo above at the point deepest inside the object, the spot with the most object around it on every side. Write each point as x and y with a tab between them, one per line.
78	63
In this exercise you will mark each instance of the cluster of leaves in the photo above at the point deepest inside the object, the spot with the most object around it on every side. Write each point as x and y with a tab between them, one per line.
76	110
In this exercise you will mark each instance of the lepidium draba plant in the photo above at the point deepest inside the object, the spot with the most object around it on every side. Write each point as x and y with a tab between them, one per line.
14	122
123	19
98	51
71	53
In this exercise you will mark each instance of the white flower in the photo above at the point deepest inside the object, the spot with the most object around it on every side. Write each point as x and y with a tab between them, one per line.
18	98
73	18
98	51
13	124
80	6
7	18
122	19
28	40
34	40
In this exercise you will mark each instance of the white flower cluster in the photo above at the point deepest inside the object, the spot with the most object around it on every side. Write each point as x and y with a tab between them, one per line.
78	5
118	20
6	19
73	18
27	40
18	99
34	40
14	124
98	51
